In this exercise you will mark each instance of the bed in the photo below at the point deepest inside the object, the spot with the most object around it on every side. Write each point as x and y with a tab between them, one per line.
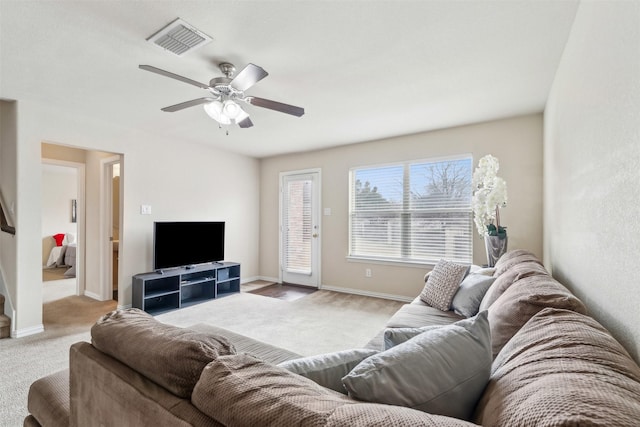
64	256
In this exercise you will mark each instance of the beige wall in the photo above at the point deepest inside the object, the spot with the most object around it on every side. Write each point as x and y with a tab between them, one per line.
517	142
592	167
181	181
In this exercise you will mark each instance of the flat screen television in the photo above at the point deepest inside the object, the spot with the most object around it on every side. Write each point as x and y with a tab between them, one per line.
186	243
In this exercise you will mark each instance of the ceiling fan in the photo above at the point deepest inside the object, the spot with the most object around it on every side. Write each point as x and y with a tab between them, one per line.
225	92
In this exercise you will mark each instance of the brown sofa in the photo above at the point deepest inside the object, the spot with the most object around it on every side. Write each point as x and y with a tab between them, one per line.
549	363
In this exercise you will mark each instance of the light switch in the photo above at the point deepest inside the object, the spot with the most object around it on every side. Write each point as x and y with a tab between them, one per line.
145	209
327	211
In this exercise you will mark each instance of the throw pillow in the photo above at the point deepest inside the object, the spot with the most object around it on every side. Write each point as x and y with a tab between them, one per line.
328	369
395	336
442	371
442	284
241	390
466	301
58	238
170	356
485	271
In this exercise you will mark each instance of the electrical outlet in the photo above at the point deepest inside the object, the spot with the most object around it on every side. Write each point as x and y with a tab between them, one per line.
367	272
145	209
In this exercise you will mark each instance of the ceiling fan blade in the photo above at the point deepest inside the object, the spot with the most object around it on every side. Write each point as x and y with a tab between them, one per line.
187	104
173	76
277	106
246	123
250	75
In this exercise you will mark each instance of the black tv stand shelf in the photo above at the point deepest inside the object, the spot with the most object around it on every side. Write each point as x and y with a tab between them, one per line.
170	289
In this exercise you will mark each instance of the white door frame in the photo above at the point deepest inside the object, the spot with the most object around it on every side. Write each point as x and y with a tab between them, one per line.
106	222
316	261
80	218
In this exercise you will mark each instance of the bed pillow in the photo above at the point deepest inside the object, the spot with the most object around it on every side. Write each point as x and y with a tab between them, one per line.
328	369
441	371
442	284
58	238
61	256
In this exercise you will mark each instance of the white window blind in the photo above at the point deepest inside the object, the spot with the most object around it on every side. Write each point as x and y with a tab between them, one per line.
297	222
412	212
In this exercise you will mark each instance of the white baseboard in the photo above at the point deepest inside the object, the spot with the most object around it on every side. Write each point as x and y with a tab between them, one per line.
92	295
27	331
123	307
366	293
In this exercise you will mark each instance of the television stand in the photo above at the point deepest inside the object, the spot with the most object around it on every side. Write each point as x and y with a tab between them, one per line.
170	289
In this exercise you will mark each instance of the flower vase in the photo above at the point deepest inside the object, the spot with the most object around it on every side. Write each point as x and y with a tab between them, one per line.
495	246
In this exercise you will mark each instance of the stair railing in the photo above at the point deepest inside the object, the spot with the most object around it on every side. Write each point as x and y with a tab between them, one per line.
4	224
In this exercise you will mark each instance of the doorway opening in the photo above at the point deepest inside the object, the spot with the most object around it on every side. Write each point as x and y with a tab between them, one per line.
62	217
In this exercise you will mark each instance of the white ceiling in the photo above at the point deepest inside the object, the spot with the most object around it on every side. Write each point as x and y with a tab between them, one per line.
363	70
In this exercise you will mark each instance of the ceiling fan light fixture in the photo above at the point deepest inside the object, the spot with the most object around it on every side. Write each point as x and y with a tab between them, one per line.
230	109
214	109
241	115
224	92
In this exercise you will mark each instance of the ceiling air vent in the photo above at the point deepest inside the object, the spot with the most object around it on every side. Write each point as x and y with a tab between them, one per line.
179	38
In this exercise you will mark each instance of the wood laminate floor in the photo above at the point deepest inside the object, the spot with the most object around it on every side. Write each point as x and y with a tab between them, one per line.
284	291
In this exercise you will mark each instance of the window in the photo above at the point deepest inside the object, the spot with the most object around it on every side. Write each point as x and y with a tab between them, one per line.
412	212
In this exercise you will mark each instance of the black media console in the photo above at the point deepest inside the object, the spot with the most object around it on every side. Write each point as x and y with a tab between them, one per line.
170	289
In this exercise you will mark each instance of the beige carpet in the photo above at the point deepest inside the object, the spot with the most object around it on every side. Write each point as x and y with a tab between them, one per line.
321	322
49	274
24	360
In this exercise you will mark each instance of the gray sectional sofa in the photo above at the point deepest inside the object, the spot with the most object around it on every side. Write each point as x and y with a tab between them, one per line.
508	346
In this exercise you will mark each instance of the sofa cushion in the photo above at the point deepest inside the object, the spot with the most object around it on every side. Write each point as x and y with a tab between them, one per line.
506	279
105	392
48	400
441	371
376	415
172	357
562	368
416	315
466	301
513	257
241	390
521	301
443	283
244	344
328	369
